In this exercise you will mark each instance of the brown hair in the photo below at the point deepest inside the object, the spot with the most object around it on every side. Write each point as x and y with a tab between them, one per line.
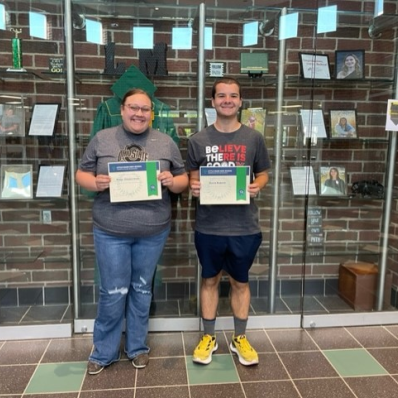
134	91
225	80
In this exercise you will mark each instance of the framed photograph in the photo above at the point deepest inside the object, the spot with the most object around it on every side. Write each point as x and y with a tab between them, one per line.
349	64
12	120
303	180
343	123
332	181
50	181
392	115
313	123
254	118
314	66
44	118
16	181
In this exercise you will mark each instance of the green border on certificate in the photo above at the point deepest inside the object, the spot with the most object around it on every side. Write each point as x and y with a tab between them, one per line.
134	181
224	185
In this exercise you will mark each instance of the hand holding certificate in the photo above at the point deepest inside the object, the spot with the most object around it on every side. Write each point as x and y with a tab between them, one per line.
224	185
134	181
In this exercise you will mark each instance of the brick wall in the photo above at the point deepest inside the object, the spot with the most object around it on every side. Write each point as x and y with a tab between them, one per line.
41	252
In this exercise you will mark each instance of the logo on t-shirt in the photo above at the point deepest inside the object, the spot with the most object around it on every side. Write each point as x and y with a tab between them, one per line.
132	153
225	155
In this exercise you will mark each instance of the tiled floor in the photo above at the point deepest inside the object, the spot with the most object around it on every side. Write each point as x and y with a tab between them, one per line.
318	363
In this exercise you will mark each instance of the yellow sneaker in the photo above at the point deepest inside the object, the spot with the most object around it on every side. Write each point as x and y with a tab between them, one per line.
204	350
246	353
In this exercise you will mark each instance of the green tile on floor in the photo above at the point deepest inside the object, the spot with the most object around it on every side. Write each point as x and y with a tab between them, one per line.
357	362
57	377
221	370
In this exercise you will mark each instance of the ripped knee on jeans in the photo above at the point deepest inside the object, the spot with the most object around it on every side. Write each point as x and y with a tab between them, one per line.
142	287
119	290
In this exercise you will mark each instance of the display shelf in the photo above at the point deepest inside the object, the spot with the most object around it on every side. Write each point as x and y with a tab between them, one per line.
332	250
182	79
298	81
28	255
19	75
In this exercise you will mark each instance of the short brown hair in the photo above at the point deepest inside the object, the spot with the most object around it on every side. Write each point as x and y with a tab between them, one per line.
225	80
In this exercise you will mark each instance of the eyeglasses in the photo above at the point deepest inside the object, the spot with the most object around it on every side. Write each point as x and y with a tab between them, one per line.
136	108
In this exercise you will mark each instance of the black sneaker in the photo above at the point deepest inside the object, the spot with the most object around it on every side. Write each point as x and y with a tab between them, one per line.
140	361
94	368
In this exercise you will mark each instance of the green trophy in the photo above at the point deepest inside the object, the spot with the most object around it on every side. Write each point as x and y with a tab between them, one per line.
16	43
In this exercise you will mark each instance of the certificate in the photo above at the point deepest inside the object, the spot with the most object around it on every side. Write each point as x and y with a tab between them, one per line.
44	119
133	181
315	66
50	181
313	123
303	180
224	185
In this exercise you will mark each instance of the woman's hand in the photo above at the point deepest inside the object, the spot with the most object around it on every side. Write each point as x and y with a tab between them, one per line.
166	179
102	182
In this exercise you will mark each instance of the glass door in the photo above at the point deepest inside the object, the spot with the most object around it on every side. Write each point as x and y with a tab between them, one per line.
350	253
153	47
35	236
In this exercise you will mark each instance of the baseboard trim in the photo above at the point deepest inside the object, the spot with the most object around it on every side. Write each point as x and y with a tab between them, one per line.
34	332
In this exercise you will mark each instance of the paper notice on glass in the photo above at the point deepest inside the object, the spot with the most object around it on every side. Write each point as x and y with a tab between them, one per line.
224	185
134	181
50	181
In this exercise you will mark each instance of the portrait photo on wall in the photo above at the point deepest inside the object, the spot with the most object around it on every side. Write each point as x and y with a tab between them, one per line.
343	123
12	120
332	181
254	118
349	64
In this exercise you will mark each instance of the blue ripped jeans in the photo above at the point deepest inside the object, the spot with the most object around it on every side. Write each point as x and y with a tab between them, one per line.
127	266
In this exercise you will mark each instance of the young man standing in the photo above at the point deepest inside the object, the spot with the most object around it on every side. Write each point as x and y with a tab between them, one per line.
227	237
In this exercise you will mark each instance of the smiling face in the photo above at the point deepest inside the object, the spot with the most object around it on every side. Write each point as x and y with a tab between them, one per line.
227	100
350	62
333	173
136	113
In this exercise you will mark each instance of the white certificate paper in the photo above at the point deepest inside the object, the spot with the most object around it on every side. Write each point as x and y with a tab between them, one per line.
134	181
313	123
224	185
43	119
303	180
50	181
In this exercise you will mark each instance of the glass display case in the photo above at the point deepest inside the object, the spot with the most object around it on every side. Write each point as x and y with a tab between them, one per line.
328	213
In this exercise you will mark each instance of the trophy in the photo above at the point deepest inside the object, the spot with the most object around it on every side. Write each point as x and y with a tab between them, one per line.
16	43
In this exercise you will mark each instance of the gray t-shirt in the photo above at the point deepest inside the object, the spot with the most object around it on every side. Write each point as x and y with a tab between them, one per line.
142	218
244	147
8	121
